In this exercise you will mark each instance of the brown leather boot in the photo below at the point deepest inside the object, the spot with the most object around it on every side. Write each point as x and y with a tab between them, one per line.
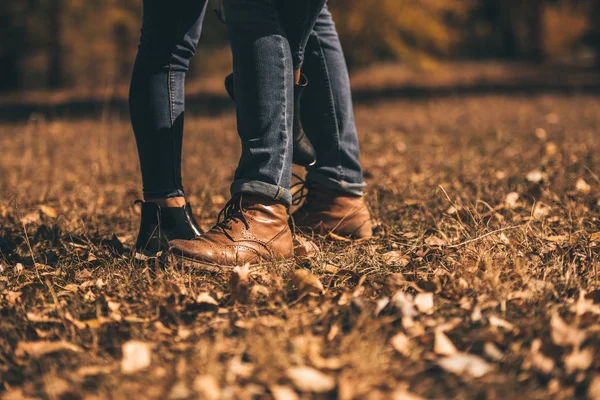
250	229
328	211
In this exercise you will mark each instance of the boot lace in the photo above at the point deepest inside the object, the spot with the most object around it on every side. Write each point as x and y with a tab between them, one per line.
233	211
299	191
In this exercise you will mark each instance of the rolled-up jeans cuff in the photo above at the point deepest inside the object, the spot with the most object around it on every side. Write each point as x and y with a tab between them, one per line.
163	194
273	192
355	189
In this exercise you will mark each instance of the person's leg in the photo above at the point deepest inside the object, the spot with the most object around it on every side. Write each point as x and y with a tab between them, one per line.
254	224
170	33
299	18
336	181
263	82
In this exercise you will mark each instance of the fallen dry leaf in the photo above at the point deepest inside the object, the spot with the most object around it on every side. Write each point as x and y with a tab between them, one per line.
239	283
306	282
41	348
582	186
404	303
305	248
540	210
207	387
498	322
206	300
442	345
307	379
179	391
594	388
537	359
48	211
435	241
465	365
30	218
396	258
137	356
511	199
424	302
402	393
94	370
402	344
492	351
563	334
578	360
33	317
535	176
283	393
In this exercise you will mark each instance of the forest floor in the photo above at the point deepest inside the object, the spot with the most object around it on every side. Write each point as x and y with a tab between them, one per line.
482	281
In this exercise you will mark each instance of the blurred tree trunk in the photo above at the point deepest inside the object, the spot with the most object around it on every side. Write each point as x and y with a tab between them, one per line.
523	27
56	54
11	51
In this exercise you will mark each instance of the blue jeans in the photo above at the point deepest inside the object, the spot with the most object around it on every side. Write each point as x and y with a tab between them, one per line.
170	33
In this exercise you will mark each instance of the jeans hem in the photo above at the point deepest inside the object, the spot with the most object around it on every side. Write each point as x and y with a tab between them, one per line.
355	189
163	194
273	192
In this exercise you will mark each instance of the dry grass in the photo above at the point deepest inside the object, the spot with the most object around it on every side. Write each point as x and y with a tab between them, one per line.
443	174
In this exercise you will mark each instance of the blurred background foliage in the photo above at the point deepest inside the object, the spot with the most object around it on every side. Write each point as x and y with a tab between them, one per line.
92	43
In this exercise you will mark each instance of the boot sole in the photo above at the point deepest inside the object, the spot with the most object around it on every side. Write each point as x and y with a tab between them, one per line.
207	266
188	262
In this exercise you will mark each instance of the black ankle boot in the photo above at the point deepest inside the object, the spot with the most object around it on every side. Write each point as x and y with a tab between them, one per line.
159	225
304	152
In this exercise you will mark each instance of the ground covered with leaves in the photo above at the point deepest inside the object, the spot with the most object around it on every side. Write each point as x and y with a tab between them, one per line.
482	281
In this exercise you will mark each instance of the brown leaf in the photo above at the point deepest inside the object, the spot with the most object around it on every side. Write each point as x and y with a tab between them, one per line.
307	379
579	360
41	348
305	248
239	283
442	345
563	334
136	356
204	299
30	218
594	388
535	176
396	258
434	241
582	186
404	303
511	199
424	302
465	365
537	359
48	211
402	344
497	322
208	387
13	297
283	393
306	282
94	370
33	317
492	351
258	294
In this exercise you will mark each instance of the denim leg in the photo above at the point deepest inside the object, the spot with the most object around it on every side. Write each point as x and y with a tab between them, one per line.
264	87
298	18
170	33
327	111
